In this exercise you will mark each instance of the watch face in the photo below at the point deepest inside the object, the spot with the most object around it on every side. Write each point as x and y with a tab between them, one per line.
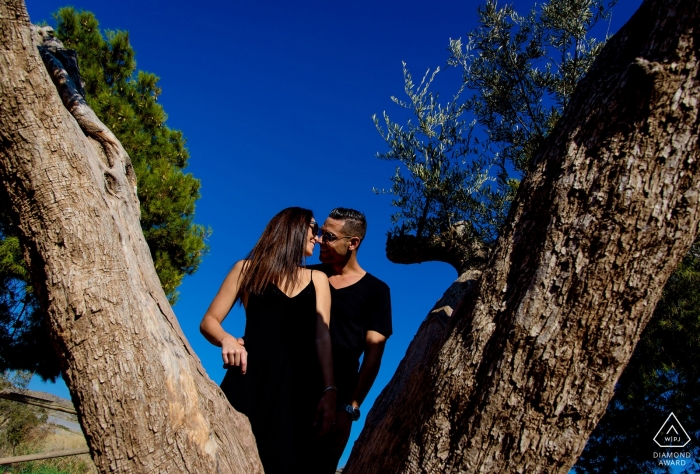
353	412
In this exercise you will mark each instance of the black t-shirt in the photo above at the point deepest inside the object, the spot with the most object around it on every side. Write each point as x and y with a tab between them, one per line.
355	309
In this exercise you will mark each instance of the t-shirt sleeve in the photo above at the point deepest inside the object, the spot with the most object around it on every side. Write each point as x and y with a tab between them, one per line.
381	320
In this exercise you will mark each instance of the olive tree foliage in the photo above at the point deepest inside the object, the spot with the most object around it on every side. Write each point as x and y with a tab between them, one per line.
446	178
126	100
461	162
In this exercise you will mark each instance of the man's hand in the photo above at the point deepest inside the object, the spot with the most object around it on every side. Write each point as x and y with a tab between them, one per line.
233	353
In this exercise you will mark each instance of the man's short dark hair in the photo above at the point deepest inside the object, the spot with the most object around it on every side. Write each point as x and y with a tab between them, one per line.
354	222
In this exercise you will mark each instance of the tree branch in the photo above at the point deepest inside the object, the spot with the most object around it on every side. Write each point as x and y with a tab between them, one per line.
462	253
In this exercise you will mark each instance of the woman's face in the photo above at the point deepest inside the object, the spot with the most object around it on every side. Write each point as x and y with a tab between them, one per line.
310	238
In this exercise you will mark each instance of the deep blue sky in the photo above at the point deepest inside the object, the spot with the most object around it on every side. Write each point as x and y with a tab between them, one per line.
275	100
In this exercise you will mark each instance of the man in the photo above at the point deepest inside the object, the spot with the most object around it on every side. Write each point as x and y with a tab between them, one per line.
360	322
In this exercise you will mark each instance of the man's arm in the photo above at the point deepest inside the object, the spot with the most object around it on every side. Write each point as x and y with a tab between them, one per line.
374	350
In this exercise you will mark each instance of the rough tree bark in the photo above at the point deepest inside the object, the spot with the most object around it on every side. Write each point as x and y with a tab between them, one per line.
531	356
145	402
463	254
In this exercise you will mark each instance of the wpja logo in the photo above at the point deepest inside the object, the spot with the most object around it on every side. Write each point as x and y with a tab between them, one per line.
672	435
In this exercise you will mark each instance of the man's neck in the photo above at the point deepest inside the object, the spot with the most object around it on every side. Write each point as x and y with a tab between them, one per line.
346	274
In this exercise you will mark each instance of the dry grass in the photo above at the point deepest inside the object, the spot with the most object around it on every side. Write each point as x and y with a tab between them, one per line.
59	439
54	438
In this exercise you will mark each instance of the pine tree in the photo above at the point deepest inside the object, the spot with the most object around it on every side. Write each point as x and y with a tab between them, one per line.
127	102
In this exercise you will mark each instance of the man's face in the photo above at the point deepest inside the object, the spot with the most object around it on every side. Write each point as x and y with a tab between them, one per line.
335	243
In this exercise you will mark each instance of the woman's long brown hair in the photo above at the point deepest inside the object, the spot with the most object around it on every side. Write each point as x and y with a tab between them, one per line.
278	253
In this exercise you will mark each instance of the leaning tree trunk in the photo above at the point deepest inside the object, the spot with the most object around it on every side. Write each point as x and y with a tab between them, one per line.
144	400
532	355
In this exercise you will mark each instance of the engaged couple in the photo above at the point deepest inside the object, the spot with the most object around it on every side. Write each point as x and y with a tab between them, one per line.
296	372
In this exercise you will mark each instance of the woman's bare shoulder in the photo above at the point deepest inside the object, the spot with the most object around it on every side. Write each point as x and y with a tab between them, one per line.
317	276
241	264
237	269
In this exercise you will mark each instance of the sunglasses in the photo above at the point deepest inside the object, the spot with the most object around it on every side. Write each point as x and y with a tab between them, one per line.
329	237
314	227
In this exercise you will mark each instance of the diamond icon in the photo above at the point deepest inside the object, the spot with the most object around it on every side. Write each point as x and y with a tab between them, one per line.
672	434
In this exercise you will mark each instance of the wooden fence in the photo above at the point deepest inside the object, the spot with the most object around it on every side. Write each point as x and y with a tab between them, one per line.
49	405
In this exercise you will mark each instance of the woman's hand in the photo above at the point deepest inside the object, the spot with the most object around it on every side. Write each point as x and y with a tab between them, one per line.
233	353
325	412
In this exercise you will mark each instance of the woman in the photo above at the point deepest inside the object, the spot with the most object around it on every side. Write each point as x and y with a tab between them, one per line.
283	378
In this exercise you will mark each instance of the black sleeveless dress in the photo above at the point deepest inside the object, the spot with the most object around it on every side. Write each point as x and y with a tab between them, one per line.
283	383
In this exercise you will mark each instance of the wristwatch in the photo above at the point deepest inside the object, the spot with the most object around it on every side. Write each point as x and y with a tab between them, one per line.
354	412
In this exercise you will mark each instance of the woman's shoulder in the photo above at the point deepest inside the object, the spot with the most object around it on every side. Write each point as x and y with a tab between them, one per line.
316	275
238	268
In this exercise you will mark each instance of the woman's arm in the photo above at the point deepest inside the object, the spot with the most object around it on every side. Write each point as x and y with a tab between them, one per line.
232	352
325	413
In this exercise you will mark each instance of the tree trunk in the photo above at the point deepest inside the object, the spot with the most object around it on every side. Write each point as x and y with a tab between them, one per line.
144	401
424	346
532	355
